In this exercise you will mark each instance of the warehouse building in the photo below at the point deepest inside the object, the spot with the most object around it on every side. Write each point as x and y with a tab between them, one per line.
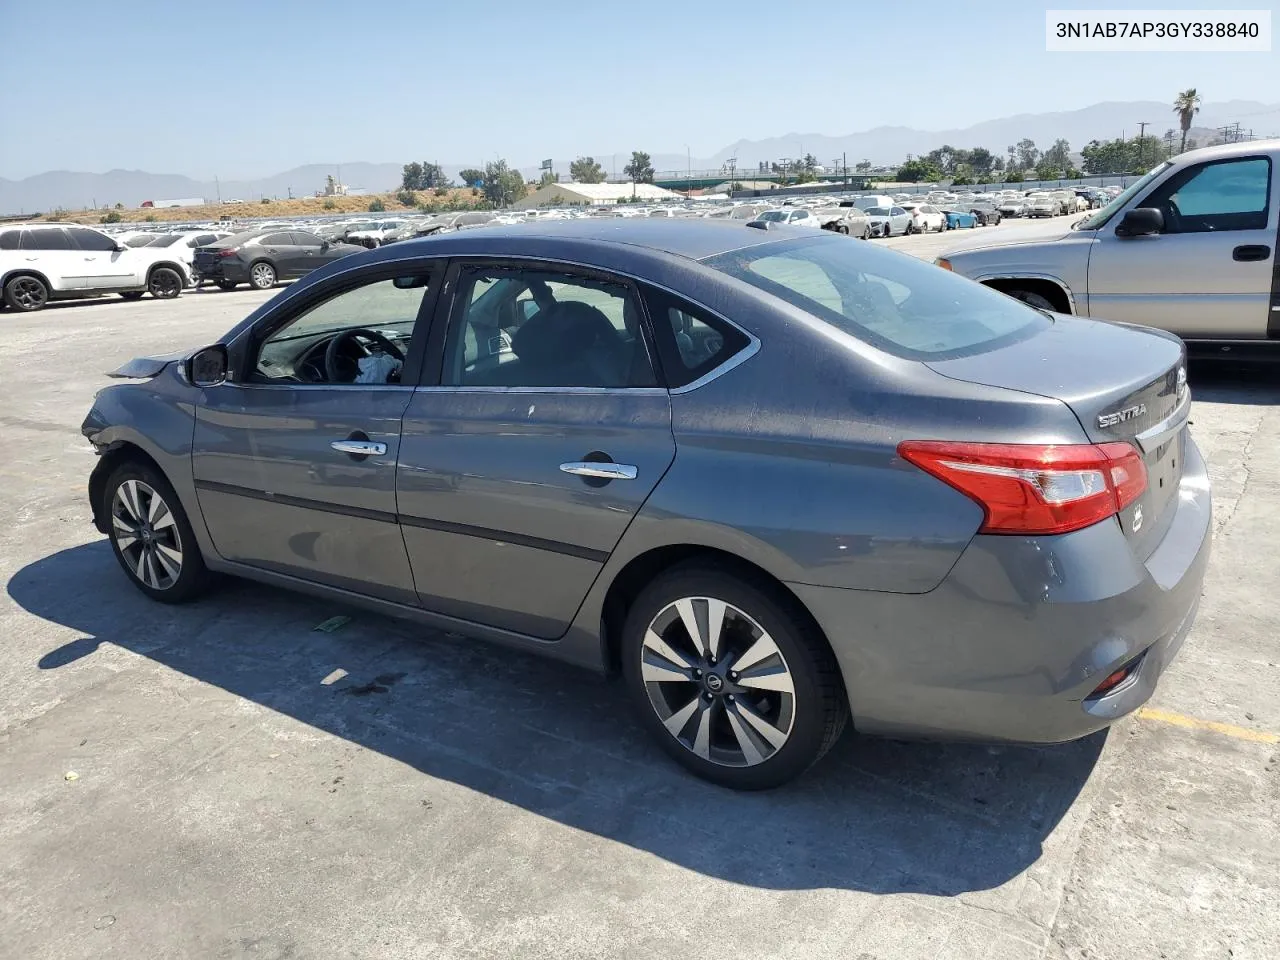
593	195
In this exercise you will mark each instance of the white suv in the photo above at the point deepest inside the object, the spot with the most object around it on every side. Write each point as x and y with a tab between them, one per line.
40	262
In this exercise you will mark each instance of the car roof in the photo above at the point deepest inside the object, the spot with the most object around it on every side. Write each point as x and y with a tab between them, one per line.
695	239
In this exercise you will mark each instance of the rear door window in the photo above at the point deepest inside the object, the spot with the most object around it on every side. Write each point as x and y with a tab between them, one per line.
9	239
46	238
87	239
901	305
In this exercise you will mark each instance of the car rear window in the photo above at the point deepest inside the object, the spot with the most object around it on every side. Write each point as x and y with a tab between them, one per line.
901	305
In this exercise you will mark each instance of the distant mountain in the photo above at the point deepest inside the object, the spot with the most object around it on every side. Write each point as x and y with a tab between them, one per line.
883	145
1102	121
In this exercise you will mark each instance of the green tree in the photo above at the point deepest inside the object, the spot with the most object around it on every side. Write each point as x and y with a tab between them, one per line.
640	169
406	197
329	204
377	206
1013	176
502	185
1186	106
919	170
412	178
862	166
1028	155
547	179
119	206
433	176
1056	159
471	176
111	217
586	170
982	161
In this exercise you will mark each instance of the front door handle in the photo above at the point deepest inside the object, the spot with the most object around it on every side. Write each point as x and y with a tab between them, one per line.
600	470
360	448
1251	252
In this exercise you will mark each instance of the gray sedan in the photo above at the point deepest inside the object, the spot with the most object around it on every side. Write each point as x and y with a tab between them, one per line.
779	481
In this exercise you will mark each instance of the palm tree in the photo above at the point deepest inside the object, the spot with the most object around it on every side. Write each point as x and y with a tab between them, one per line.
1186	106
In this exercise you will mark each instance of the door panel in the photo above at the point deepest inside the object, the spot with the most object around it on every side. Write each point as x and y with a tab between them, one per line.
274	493
1193	279
496	532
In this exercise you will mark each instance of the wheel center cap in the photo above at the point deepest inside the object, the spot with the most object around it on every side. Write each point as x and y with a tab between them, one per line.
714	682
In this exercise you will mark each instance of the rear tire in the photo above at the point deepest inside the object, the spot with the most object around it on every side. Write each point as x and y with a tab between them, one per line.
151	535
132	294
164	283
766	725
26	294
262	275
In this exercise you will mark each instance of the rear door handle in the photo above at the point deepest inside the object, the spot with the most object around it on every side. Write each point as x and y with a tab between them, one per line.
1251	252
600	471
360	448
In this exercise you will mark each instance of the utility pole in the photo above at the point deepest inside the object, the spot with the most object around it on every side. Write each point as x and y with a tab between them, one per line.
844	168
218	188
1142	141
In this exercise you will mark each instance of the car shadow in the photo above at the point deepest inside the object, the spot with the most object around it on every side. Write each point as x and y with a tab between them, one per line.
1228	381
874	815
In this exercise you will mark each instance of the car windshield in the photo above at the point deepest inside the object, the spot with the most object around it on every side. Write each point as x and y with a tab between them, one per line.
774	216
877	211
1100	217
901	305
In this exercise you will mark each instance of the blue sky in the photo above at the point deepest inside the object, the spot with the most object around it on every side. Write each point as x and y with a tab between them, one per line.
246	88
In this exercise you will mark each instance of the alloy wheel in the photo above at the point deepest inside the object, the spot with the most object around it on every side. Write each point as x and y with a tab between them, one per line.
28	293
718	682
263	276
165	284
146	534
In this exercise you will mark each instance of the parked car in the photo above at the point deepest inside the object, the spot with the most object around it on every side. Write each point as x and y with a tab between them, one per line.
260	259
845	218
1012	207
1042	205
1189	248
40	262
1020	562
987	213
372	236
791	217
958	219
869	201
925	217
183	245
889	221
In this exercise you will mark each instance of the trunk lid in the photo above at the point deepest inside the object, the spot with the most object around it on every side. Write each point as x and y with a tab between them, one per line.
1123	383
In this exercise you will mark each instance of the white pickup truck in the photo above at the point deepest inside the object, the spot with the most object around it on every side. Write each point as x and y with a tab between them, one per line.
1189	248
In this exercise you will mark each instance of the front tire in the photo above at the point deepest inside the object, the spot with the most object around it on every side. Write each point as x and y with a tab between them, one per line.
165	283
26	294
262	276
151	535
1033	299
751	728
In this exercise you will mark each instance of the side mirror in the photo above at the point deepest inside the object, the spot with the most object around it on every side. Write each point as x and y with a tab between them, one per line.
324	245
120	248
208	367
1141	222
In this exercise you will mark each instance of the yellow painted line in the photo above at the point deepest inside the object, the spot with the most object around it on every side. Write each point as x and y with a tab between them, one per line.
1191	723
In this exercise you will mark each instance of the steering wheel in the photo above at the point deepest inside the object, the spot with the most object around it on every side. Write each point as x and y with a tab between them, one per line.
331	353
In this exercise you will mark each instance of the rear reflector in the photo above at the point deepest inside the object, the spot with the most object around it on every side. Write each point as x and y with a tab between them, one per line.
1117	677
1035	488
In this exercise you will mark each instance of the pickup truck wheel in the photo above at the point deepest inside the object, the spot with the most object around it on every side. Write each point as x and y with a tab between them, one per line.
1032	299
133	294
164	283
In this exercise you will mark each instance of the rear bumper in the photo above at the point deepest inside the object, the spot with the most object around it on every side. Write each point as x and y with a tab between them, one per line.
1012	643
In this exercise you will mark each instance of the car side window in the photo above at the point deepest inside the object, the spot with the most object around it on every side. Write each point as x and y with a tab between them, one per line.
91	239
305	239
531	328
369	327
276	240
46	238
1226	195
691	341
897	211
9	239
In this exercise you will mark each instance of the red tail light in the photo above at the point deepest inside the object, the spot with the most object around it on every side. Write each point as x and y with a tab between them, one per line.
228	251
1035	488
